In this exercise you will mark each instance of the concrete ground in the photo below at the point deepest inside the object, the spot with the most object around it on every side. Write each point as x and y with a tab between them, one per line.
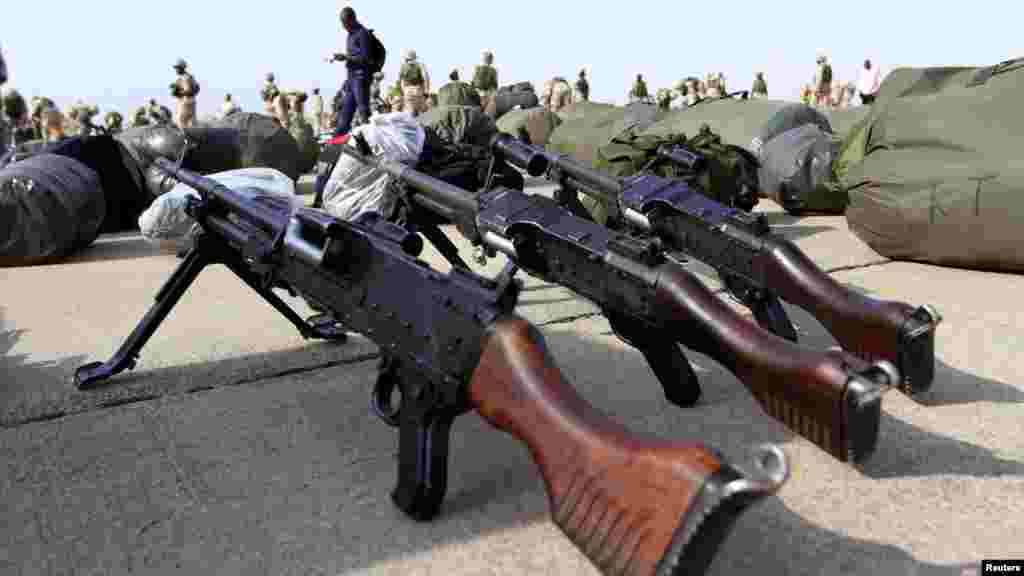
236	447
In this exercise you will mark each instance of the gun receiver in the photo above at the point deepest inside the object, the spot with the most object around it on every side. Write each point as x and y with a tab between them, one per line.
755	265
457	347
654	304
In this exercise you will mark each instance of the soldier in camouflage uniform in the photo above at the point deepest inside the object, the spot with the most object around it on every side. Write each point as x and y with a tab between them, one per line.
84	114
269	93
376	99
679	93
395	98
692	91
282	110
760	87
139	118
18	117
4	130
561	94
582	86
158	115
639	91
415	84
51	122
184	89
318	111
229	107
485	79
664	97
40	105
113	122
298	125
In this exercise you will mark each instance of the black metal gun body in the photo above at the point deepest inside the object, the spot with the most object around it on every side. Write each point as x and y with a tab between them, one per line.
351	270
655	305
455	346
754	264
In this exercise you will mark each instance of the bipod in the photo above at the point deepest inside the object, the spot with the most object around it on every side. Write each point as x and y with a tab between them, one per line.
206	250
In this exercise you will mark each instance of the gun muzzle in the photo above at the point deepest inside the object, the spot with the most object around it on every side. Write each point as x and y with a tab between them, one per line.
682	157
522	155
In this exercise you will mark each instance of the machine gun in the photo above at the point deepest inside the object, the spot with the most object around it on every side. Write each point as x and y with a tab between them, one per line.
458	346
756	266
831	398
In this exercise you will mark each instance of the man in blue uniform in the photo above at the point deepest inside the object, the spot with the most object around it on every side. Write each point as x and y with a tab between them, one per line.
357	60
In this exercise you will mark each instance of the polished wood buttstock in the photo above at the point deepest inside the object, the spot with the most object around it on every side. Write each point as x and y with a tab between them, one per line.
831	398
869	328
633	505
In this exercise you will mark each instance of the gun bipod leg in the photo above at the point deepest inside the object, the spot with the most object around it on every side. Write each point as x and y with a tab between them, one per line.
197	258
323	326
423	435
662	353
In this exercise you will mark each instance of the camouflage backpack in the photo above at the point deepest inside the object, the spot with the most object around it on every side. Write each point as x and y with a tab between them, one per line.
728	174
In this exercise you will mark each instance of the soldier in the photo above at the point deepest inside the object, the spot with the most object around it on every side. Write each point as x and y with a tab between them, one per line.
415	84
4	131
19	119
485	79
269	93
760	87
318	111
139	118
282	110
40	105
679	93
376	101
51	122
113	121
84	113
229	107
396	100
692	91
663	97
298	126
184	89
582	86
561	94
712	87
823	81
639	91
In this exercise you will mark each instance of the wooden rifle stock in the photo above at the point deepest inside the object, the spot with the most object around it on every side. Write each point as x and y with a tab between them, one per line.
839	412
870	328
632	505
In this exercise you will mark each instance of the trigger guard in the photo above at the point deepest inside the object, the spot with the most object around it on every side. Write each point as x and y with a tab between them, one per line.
380	400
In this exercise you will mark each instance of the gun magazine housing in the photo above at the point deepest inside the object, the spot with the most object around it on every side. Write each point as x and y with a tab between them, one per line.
742	248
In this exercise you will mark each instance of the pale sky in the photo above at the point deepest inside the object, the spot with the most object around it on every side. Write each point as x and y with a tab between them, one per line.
117	55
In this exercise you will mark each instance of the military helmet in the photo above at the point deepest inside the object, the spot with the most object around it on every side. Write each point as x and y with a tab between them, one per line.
583	72
409	55
270	77
679	85
180	64
488	56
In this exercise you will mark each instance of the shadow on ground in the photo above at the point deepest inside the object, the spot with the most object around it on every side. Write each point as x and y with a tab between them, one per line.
291	476
121	246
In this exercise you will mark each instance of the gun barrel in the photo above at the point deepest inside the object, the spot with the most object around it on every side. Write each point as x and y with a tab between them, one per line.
534	161
599	476
520	154
269	220
433	189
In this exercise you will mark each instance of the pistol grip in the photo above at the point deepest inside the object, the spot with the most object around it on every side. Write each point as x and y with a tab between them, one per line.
632	505
422	462
666	360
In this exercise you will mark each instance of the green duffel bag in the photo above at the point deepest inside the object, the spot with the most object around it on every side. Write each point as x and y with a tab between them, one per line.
938	178
583	136
537	124
458	94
